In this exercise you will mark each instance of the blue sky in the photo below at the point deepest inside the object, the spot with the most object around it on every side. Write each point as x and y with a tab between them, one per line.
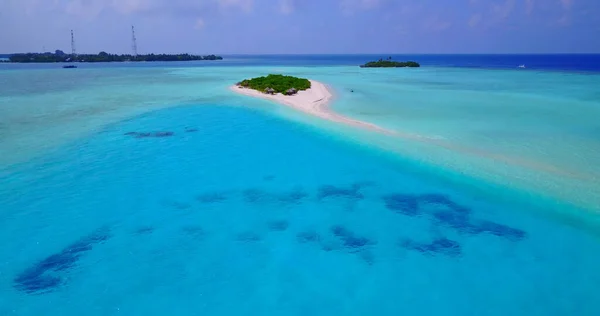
303	26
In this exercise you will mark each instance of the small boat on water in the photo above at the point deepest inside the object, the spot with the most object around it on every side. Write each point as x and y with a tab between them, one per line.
521	66
69	66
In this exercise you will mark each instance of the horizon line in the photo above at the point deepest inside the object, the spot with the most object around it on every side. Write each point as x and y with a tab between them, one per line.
321	54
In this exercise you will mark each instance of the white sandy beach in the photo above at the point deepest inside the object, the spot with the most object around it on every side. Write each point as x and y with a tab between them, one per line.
314	101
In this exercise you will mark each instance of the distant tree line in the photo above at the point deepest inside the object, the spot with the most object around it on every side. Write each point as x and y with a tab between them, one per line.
389	63
60	57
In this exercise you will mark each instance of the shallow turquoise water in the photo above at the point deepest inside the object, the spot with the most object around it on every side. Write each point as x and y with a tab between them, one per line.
155	190
532	131
526	129
241	212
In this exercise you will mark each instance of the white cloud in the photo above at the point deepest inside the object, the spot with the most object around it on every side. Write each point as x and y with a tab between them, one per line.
199	24
244	5
351	6
475	19
436	24
567	4
286	6
85	9
564	21
529	5
369	4
177	7
132	6
502	11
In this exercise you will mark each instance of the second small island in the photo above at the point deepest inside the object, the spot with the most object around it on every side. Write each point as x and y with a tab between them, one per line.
389	63
273	84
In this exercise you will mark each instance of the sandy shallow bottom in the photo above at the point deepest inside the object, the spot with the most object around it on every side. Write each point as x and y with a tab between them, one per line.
317	101
314	101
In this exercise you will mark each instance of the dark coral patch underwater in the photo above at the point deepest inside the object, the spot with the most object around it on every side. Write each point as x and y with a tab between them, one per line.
308	236
255	195
402	203
499	230
212	197
159	134
349	239
439	199
464	225
49	274
330	191
294	197
176	205
442	246
144	230
345	239
269	178
279	225
248	237
451	214
412	204
193	231
458	221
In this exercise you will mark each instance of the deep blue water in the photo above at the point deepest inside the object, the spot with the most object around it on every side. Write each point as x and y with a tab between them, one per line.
214	210
555	62
580	62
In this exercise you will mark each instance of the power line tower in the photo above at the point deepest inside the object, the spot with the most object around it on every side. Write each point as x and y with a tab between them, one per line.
133	42
73	52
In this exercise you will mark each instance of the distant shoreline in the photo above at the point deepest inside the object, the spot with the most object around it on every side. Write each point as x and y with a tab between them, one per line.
61	57
6	61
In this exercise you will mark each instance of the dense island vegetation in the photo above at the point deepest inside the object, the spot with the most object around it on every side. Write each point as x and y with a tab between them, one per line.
60	56
389	63
272	84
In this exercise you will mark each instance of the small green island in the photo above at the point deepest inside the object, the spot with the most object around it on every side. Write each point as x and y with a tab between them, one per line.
61	57
273	84
389	63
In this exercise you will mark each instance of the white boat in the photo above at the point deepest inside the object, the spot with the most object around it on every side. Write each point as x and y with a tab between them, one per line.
521	66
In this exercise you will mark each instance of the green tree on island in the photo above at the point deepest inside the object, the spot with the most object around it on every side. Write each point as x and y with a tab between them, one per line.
276	84
388	63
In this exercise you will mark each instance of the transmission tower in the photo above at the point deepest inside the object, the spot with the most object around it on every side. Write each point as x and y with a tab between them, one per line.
73	53
133	42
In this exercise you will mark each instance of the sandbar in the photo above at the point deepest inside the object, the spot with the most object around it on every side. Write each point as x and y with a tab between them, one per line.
314	101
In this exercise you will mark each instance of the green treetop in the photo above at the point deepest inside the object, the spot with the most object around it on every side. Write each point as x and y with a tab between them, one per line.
276	84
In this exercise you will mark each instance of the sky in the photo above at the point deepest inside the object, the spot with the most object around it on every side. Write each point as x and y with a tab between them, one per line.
302	26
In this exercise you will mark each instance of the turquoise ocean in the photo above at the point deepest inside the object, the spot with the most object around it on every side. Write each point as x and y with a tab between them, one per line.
152	189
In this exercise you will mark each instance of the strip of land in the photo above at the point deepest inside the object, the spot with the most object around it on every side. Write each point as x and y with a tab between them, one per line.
314	101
